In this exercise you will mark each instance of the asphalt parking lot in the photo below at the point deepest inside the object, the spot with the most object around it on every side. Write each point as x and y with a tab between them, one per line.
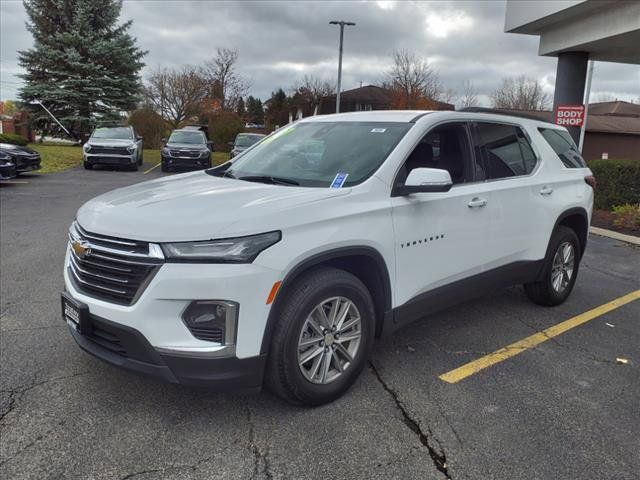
565	408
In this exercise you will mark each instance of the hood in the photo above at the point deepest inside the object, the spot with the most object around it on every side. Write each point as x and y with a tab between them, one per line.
10	148
110	142
187	146
196	206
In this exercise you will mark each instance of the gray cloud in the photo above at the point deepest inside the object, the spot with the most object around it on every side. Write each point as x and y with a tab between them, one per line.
280	42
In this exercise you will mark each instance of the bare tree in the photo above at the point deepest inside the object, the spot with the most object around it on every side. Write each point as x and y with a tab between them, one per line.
176	95
309	92
448	95
469	96
412	80
520	93
225	84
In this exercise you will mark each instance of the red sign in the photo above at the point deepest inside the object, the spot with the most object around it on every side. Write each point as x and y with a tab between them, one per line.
570	115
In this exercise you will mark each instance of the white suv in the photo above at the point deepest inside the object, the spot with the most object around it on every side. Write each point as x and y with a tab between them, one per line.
282	266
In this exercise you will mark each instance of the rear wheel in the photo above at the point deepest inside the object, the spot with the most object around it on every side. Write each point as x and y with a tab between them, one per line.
322	339
560	269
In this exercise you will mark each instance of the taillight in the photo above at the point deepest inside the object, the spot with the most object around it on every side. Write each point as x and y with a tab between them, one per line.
591	181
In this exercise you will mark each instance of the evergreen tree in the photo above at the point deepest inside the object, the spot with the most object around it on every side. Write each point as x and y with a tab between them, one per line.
84	67
240	108
255	110
278	109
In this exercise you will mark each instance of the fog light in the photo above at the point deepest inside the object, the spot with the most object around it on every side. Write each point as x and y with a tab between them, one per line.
212	320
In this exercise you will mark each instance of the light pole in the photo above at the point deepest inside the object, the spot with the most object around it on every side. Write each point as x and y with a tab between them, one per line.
342	23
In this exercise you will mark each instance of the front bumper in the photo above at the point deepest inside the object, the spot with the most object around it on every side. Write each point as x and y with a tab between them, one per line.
186	162
25	163
126	348
110	159
8	171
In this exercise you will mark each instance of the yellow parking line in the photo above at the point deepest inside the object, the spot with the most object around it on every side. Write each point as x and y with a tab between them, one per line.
518	347
155	166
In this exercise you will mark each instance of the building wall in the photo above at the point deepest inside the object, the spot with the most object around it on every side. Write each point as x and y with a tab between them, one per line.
617	145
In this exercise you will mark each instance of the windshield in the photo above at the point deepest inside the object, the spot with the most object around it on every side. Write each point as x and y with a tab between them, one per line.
247	140
185	136
321	154
119	133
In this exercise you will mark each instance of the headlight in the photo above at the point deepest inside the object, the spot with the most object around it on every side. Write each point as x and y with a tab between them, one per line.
131	148
86	147
166	151
204	153
226	250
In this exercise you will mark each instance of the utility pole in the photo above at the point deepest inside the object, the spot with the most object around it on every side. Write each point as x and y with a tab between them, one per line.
587	94
342	23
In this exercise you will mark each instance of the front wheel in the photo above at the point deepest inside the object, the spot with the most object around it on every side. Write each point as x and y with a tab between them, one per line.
560	269
322	339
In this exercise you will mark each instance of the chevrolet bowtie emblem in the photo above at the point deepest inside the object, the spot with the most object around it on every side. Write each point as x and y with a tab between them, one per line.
80	248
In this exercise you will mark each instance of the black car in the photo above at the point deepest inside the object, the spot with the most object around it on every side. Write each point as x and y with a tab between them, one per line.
186	148
7	167
244	141
24	159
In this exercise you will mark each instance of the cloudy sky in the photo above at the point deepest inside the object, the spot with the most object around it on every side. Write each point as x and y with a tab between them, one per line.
279	42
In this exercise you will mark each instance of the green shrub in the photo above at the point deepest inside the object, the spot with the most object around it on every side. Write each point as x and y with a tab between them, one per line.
618	182
627	216
13	138
150	126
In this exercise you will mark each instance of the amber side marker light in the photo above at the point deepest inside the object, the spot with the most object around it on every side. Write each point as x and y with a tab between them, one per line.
591	181
272	293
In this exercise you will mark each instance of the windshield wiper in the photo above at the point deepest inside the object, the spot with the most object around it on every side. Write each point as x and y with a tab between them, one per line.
269	179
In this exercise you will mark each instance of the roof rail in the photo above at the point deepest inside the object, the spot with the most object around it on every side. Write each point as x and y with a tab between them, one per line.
498	111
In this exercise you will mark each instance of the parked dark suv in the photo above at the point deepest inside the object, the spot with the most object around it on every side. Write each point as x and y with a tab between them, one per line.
244	141
186	148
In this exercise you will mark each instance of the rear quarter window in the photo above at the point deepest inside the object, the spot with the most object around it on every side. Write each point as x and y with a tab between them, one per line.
562	143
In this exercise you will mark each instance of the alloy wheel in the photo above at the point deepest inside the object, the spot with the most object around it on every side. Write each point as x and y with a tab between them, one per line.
562	267
329	340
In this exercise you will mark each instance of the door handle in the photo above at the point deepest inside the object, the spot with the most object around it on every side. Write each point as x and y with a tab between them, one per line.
477	202
546	190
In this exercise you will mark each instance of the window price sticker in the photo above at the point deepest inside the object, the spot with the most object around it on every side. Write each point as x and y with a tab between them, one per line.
339	180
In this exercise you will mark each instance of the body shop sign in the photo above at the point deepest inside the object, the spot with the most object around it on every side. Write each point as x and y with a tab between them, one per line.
570	115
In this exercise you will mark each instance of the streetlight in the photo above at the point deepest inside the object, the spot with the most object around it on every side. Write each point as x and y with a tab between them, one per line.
342	23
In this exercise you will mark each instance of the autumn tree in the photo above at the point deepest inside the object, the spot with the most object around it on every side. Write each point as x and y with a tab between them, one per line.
176	95
309	92
414	84
226	85
520	93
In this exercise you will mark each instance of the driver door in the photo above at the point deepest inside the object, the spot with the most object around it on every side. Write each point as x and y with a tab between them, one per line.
441	238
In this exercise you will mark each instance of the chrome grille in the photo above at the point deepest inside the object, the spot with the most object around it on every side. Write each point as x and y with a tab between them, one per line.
113	269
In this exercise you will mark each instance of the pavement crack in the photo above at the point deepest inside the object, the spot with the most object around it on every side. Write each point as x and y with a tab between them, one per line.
175	468
260	455
438	455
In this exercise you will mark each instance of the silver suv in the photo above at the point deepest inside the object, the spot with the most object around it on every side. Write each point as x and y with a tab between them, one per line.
118	146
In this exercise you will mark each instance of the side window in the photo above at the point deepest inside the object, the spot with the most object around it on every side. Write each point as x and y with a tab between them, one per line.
444	147
563	145
505	149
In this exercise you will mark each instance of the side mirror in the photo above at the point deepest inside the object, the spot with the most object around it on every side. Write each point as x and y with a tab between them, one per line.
231	144
422	180
138	137
163	140
210	144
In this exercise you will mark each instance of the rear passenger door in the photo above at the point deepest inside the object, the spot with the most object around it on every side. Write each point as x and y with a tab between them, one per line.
509	166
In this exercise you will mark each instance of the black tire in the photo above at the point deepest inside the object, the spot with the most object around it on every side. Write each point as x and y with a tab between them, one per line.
164	167
140	160
543	292
284	376
133	167
87	166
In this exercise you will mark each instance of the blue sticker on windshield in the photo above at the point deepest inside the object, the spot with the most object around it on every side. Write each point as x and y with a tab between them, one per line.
339	180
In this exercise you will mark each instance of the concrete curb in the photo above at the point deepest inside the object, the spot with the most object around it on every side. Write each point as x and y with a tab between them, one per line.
603	232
